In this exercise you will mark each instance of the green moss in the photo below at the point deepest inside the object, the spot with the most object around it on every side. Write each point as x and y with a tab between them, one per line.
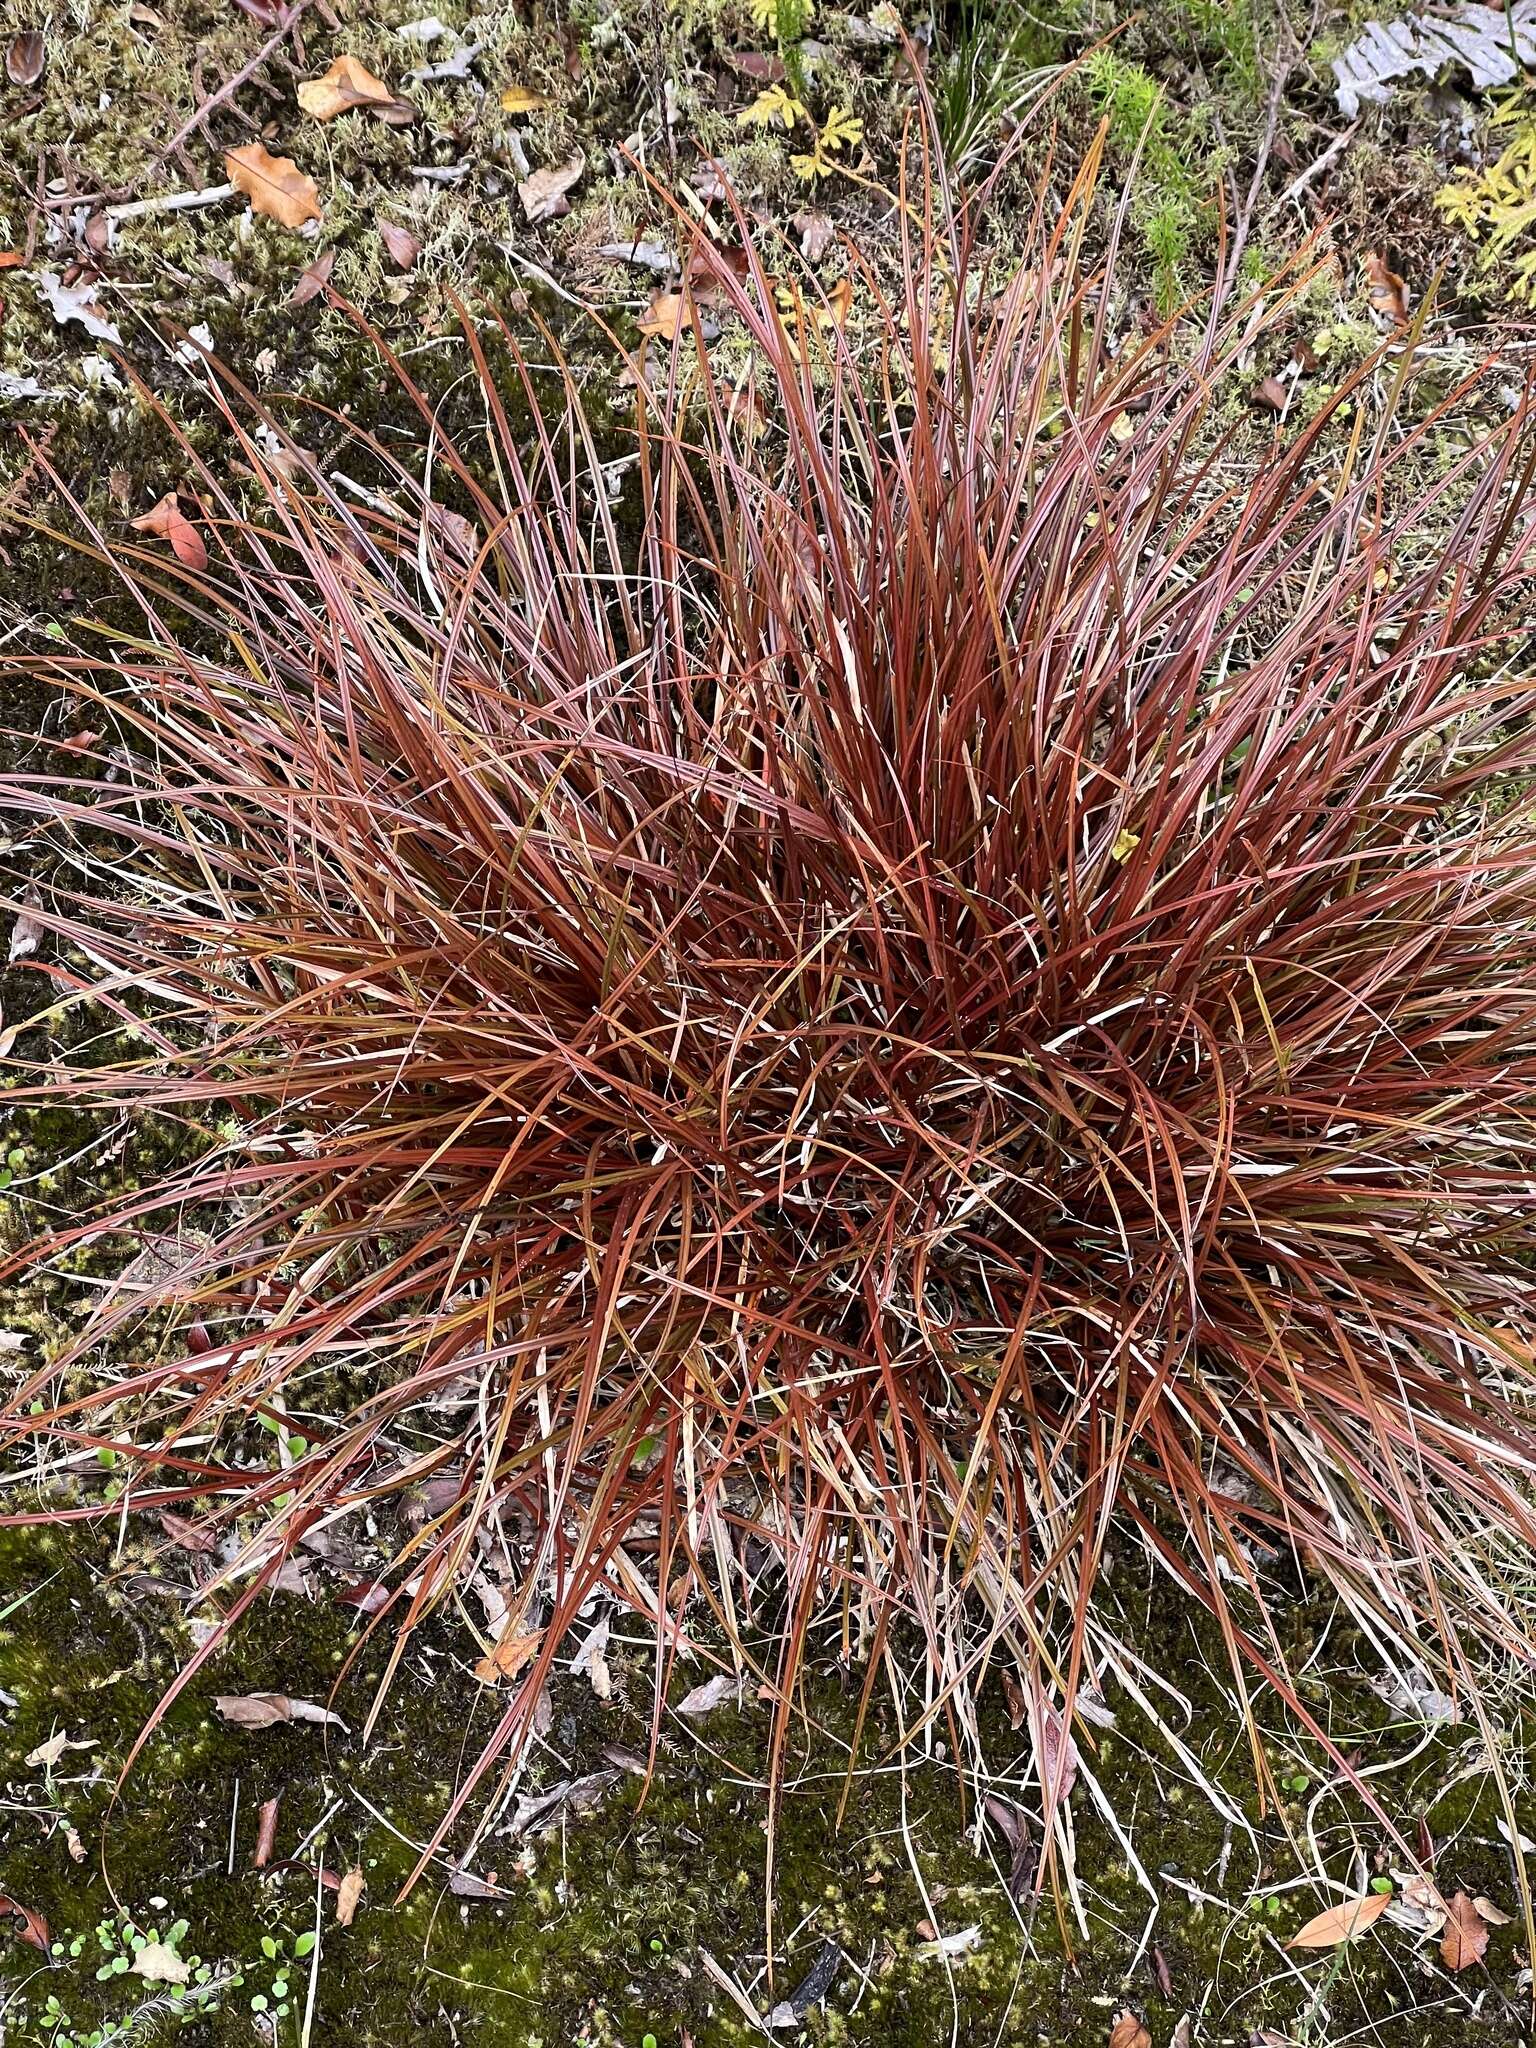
601	1935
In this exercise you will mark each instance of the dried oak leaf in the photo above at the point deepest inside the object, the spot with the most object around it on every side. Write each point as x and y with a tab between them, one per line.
168	522
1465	1940
349	84
543	191
1342	1922
1128	2032
274	185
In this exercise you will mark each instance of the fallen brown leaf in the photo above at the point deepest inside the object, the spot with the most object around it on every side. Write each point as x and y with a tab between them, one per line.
312	281
347	85
33	1929
1270	393
168	522
543	191
507	1657
1386	290
816	233
266	1833
666	317
188	1535
271	1709
274	185
25	57
1465	1940
1342	1922
1128	2032
400	244
348	1892
703	1699
1488	1911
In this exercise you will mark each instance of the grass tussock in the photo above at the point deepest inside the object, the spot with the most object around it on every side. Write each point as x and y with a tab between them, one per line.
924	993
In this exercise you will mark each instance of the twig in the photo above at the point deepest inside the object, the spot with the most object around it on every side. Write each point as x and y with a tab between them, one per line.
170	202
231	86
1315	169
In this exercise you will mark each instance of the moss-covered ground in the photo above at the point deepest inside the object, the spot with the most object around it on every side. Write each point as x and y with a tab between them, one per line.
619	1922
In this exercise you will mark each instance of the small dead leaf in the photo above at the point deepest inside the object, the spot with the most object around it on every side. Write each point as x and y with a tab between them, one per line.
1342	1922
187	1535
25	57
591	1661
703	1699
1386	290
1465	1940
168	522
1271	394
33	1928
839	303
275	185
816	233
1128	2032
960	1943
266	1833
539	1813
72	1842
271	1709
543	191
27	931
508	1657
347	85
400	245
157	1964
313	280
666	317
1183	2035
522	99
47	1754
348	1892
77	302
1487	1910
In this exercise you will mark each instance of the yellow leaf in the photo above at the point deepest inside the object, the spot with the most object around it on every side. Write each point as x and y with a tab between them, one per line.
274	185
522	99
772	106
1125	845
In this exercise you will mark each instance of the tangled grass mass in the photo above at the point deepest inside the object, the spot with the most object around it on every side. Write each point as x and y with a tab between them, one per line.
822	1008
